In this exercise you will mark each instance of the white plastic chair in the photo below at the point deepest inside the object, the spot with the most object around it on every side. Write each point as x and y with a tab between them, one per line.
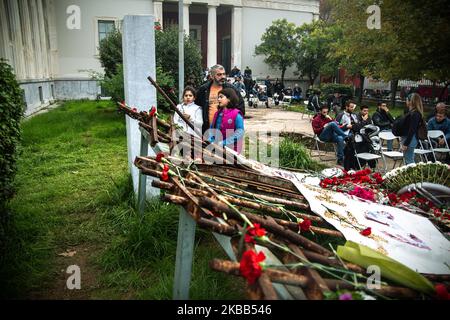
394	155
435	134
421	151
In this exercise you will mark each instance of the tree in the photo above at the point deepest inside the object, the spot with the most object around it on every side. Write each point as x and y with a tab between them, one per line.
167	55
279	45
166	43
409	44
312	54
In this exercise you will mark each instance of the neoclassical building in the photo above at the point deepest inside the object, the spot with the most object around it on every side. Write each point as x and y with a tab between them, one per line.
53	44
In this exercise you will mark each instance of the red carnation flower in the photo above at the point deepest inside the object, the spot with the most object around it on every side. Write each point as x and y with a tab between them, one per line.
305	225
159	156
250	266
393	198
441	292
366	232
152	111
157	27
253	232
164	176
166	167
378	177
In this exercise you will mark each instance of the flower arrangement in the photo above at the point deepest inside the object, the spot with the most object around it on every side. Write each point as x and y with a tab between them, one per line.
434	172
373	187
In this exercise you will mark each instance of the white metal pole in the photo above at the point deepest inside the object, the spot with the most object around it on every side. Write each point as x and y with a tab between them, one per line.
180	50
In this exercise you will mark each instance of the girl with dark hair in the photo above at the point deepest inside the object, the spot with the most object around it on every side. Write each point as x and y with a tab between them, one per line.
228	121
190	110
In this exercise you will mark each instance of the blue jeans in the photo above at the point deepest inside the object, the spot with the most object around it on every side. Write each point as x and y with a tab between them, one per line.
389	143
332	133
409	153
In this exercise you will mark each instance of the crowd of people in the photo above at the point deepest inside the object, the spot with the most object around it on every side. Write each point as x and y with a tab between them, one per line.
342	129
217	109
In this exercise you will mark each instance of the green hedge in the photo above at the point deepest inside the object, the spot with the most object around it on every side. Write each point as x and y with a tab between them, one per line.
330	88
11	111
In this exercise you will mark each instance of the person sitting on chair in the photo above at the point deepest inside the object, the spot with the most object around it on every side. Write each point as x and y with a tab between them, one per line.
348	119
384	120
327	130
440	122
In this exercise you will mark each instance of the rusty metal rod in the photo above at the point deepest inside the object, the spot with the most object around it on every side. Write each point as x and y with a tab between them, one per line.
271	226
275	275
387	291
294	227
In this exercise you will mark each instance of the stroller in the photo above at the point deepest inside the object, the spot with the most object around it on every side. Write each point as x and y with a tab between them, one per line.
364	140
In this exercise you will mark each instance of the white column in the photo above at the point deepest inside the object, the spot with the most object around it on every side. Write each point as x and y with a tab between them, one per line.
236	37
43	39
212	35
37	43
16	32
158	11
27	40
186	17
53	47
5	44
138	48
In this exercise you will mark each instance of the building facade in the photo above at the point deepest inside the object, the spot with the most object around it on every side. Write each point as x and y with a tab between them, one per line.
53	44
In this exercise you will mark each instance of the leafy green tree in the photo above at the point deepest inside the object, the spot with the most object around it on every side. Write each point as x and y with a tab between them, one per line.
314	44
409	44
279	45
167	55
166	63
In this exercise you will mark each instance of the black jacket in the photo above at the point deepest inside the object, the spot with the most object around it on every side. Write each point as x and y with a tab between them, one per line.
412	123
202	100
383	120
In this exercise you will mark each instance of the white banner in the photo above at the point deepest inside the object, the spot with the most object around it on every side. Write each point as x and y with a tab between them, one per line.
408	238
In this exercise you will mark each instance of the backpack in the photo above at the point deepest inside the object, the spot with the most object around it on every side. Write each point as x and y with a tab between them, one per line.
422	131
399	127
339	117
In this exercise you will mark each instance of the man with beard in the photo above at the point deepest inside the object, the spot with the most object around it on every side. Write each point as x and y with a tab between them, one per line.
207	95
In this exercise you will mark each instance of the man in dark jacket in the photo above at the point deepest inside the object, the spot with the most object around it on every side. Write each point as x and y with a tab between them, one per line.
207	95
384	120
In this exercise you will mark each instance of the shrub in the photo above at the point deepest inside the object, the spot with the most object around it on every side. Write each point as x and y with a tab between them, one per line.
296	156
11	111
331	88
166	63
111	53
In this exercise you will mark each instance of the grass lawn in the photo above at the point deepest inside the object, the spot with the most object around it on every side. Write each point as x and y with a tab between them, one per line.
75	205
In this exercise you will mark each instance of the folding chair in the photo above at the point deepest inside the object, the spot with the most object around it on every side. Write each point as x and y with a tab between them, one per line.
435	134
394	155
422	151
366	156
318	142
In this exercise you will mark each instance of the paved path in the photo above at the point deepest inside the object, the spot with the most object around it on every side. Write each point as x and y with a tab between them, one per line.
276	120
